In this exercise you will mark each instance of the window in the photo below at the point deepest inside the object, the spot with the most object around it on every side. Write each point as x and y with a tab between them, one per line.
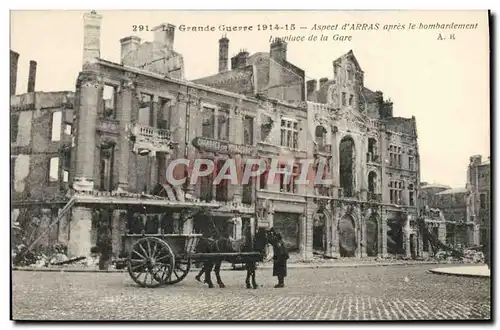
145	110
65	176
208	124
482	201
264	175
68	129
164	117
248	187
351	99
372	150
56	126
287	183
109	98
223	125
395	192
289	133
54	169
206	185
266	126
248	130
222	189
344	98
395	156
14	127
321	135
350	74
106	167
411	195
411	165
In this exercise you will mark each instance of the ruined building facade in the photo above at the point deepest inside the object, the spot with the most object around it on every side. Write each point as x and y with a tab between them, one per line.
40	140
130	120
374	162
479	201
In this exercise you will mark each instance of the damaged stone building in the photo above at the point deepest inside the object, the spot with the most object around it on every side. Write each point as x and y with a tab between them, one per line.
40	139
375	168
479	198
460	216
128	121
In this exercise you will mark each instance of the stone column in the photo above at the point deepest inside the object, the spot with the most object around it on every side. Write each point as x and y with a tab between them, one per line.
303	235
86	128
154	111
420	245
153	173
125	100
152	160
236	136
311	211
360	234
383	246
80	241
335	233
334	164
363	234
117	230
407	235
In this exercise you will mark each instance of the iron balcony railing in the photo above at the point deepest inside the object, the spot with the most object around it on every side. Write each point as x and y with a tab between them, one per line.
372	158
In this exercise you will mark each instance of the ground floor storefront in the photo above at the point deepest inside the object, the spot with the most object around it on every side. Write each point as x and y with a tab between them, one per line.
331	228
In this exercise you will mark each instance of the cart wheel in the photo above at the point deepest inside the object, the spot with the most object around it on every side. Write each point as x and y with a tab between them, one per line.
180	271
152	258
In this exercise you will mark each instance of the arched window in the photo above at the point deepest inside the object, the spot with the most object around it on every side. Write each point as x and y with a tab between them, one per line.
320	136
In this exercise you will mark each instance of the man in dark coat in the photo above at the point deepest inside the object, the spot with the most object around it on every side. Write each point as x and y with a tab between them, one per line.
280	257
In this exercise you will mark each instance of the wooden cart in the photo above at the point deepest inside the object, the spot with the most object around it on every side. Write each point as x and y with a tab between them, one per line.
163	259
157	259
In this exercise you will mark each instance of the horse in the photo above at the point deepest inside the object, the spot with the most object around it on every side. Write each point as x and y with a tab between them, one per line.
226	245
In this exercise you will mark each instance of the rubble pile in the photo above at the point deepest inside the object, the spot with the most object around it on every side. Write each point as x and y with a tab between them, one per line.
40	257
470	256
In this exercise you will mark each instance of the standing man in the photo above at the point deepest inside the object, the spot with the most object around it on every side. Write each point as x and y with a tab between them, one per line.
280	258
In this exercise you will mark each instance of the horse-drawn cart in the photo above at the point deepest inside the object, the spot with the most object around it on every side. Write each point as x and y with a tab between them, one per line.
164	259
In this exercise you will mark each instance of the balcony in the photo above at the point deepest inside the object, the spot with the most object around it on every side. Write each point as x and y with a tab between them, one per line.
373	197
325	149
372	158
148	139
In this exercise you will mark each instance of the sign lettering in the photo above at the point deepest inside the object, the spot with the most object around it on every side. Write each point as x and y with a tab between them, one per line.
222	147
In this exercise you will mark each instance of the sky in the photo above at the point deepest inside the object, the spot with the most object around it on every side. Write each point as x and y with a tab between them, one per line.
443	83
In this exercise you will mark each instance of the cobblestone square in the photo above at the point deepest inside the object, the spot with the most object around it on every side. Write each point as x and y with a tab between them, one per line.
363	293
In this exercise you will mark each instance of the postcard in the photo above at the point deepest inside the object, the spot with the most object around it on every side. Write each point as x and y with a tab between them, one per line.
250	165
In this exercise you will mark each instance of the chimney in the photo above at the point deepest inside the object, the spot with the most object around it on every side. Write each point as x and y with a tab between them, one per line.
129	44
164	34
14	58
476	159
322	82
240	60
91	36
387	109
278	50
312	86
32	77
223	53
